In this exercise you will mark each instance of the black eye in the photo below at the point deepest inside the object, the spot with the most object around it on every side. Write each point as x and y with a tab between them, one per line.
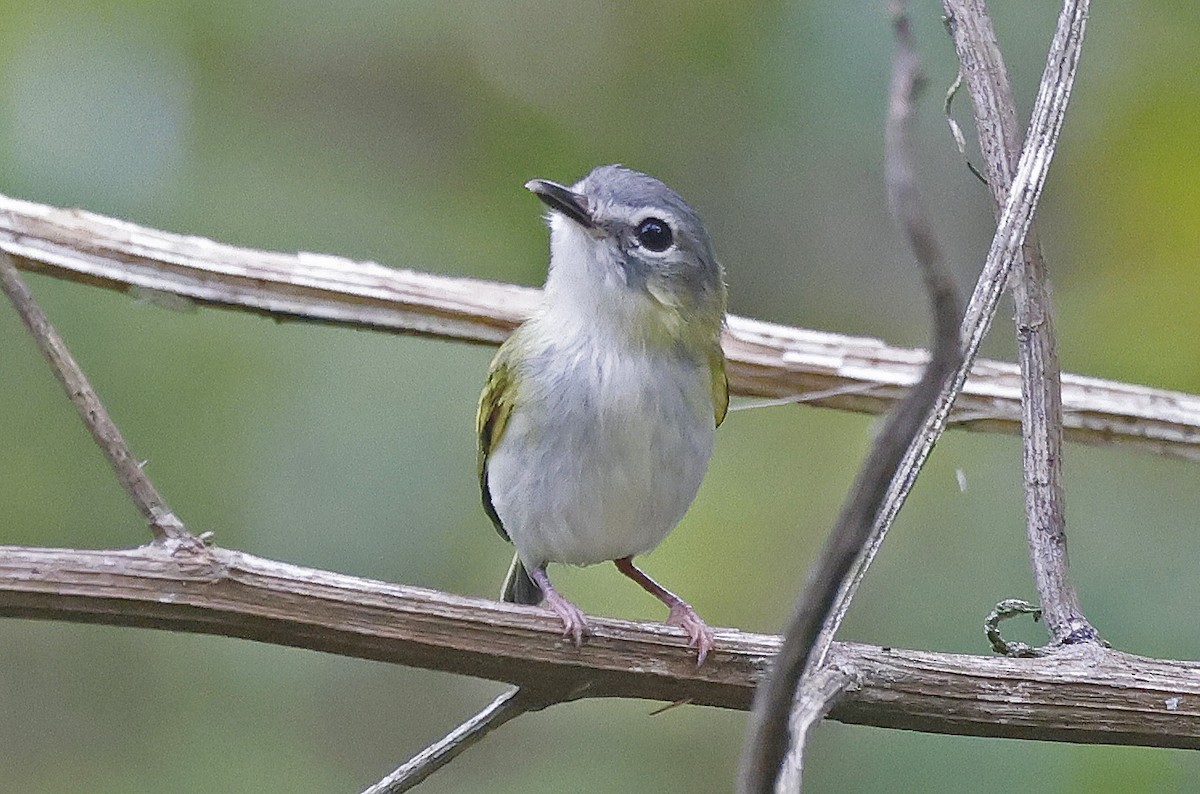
654	234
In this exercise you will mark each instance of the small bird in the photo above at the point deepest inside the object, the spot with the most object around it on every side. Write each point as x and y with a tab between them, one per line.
597	420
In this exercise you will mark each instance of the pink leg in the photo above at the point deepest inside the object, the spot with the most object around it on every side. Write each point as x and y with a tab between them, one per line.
574	622
700	636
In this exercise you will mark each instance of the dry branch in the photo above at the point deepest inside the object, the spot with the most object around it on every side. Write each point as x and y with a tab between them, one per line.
412	773
986	76
1007	245
768	360
1076	694
163	522
772	751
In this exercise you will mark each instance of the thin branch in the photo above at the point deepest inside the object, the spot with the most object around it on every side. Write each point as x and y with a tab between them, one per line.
770	739
164	524
819	693
1078	693
765	360
511	704
1006	246
1000	141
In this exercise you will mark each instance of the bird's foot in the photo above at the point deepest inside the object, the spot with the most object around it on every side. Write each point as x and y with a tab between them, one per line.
573	620
700	636
572	617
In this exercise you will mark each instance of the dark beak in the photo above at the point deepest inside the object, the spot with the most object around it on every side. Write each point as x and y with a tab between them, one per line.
564	200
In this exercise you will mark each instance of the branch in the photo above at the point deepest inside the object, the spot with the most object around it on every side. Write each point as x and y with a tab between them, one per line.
818	693
764	359
410	774
794	684
164	524
986	76
1079	693
1007	244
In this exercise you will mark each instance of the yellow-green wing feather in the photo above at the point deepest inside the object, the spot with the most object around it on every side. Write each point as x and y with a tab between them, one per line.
495	406
720	385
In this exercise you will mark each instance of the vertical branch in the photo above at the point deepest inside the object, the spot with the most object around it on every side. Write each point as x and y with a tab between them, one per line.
769	739
164	524
987	81
1007	243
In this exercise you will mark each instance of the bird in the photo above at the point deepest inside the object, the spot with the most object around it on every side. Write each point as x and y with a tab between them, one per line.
597	420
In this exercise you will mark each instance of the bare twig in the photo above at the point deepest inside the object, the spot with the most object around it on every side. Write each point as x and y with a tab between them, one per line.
769	739
164	524
1078	693
820	692
1000	140
765	360
512	703
1007	244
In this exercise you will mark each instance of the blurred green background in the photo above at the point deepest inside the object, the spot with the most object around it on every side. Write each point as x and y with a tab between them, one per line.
402	132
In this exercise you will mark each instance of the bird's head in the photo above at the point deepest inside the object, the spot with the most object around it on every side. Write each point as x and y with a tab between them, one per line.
624	247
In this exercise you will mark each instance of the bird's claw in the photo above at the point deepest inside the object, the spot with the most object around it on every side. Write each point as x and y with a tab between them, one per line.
572	617
700	636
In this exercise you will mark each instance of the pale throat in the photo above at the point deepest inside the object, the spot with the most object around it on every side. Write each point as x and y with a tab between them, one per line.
586	292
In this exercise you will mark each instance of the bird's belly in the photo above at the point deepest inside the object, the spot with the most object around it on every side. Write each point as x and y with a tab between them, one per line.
603	472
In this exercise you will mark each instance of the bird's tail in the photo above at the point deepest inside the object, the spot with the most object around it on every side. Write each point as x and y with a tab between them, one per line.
518	587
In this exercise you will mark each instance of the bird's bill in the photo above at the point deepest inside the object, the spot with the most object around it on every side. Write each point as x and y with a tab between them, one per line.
562	199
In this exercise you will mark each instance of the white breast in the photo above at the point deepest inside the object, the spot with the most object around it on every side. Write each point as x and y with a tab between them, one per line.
603	453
